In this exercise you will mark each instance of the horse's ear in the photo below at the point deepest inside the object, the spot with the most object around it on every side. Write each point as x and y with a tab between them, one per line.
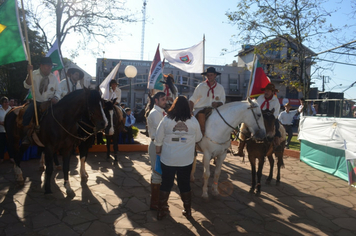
249	100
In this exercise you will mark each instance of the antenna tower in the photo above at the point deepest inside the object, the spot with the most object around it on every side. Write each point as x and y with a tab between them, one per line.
143	27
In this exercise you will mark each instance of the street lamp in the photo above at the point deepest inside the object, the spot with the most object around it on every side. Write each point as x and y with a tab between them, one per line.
335	86
130	72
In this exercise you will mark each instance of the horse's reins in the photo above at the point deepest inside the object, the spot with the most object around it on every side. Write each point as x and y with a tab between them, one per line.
74	136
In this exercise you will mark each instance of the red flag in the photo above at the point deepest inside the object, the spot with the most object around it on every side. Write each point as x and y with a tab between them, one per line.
259	80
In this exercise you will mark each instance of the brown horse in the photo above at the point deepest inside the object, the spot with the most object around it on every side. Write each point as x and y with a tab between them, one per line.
258	150
58	131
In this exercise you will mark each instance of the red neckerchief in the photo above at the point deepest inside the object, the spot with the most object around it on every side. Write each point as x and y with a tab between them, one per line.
266	101
166	90
164	113
211	87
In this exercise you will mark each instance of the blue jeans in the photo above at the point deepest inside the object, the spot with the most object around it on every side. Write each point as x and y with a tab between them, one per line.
183	177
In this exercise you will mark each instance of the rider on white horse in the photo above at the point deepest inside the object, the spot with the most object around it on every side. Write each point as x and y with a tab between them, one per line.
266	101
208	94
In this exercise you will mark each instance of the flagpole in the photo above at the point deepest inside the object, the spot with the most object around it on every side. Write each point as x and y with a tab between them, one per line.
29	62
250	81
203	52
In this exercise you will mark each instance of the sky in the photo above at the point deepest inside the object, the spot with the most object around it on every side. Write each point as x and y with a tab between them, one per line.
181	24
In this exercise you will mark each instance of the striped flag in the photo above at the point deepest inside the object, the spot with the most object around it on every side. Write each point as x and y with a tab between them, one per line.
156	74
56	57
257	81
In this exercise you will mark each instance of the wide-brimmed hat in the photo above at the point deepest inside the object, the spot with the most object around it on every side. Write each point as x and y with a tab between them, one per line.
270	86
73	70
47	61
211	70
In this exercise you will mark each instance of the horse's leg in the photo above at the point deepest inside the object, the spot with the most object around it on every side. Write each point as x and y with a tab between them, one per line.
66	161
83	153
261	161
271	166
280	164
17	169
42	162
49	169
115	140
206	174
56	162
218	164
194	166
253	173
108	143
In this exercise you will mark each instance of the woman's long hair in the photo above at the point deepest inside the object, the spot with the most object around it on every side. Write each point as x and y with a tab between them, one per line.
179	110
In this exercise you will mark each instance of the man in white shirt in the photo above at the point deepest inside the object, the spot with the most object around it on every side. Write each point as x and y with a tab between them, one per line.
286	118
46	88
76	81
208	94
154	118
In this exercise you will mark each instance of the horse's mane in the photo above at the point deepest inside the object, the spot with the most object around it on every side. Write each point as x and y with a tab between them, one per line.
71	97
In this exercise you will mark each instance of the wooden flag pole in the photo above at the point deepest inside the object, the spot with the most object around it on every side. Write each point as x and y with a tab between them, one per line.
29	62
250	81
203	54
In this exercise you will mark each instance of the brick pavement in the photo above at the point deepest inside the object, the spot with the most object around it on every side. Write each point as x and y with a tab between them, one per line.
115	202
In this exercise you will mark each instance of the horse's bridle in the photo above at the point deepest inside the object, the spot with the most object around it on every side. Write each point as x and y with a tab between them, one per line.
74	136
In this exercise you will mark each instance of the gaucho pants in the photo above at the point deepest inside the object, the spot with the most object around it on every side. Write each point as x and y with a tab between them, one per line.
155	177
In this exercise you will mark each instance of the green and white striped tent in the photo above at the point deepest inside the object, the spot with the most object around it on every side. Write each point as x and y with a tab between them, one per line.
329	144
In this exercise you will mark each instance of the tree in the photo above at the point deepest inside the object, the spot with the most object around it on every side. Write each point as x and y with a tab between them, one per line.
89	19
279	24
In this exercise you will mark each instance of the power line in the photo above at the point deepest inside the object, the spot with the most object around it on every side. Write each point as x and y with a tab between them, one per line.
343	63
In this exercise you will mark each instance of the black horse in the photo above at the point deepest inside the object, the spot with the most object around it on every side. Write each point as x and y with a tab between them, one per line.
114	126
58	131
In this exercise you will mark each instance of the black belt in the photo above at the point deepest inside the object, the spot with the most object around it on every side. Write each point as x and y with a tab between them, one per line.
288	125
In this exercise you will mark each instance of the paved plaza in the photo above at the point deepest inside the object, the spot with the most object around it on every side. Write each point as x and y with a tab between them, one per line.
115	201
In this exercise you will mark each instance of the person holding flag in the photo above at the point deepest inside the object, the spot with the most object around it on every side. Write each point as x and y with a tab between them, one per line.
46	88
269	101
207	95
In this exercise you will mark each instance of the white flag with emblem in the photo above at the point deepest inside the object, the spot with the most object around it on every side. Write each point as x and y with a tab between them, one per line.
189	60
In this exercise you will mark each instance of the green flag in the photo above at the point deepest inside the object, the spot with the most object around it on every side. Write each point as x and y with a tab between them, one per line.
12	47
56	57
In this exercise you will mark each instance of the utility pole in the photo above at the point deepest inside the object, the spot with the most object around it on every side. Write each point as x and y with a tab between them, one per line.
323	84
143	27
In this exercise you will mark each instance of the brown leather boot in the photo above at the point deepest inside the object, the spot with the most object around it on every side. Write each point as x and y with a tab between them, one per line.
240	149
187	203
163	208
201	119
154	196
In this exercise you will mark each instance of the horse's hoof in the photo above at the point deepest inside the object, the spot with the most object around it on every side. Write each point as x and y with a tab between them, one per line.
257	194
252	190
70	194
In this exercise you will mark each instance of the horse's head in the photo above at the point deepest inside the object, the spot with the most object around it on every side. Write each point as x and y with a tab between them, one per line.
115	117
96	112
269	119
254	120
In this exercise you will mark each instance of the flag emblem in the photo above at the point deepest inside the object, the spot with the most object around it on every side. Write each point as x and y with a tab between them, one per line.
185	59
2	27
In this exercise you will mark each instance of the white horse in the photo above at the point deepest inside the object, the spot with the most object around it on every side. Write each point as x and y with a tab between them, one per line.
216	140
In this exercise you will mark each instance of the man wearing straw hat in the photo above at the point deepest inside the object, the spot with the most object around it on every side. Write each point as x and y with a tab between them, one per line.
207	95
75	81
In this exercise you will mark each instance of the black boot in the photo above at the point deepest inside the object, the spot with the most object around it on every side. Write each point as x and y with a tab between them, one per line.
240	149
163	204
187	203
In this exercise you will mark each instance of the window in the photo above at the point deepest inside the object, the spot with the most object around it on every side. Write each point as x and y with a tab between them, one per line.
139	104
140	81
233	85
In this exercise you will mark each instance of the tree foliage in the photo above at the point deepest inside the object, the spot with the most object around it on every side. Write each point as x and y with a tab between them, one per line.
88	19
296	23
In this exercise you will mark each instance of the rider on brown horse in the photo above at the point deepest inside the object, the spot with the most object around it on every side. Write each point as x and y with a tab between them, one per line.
268	100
